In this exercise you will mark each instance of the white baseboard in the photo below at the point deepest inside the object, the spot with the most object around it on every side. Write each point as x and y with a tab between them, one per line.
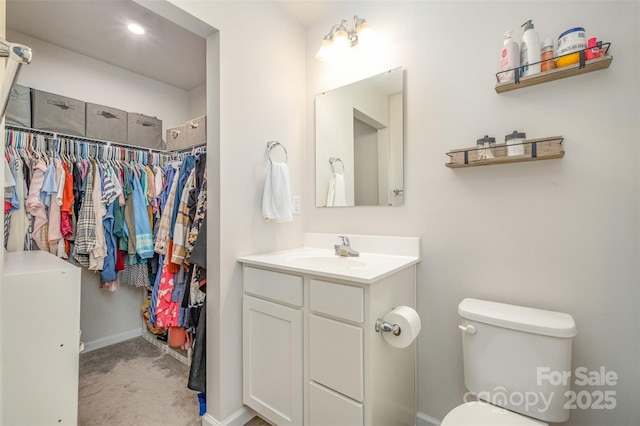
245	414
427	420
238	418
111	340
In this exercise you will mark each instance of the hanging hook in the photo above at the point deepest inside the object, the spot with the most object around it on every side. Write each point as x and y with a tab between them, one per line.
273	144
333	161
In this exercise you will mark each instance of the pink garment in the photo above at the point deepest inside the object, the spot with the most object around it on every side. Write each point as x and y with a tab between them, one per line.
35	206
166	310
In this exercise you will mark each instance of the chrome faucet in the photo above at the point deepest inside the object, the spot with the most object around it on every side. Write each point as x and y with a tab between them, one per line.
345	249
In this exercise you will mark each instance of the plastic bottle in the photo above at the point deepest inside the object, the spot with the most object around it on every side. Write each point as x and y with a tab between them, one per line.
509	58
546	56
530	50
594	49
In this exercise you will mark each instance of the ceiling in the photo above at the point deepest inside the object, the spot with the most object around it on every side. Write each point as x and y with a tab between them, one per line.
306	12
97	29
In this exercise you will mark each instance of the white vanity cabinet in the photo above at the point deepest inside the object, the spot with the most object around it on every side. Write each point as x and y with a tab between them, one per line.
311	352
355	376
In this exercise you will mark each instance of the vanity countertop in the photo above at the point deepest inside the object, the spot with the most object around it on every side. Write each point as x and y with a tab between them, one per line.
367	268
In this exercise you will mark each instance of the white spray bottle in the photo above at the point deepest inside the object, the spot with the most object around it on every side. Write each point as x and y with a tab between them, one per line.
509	58
530	50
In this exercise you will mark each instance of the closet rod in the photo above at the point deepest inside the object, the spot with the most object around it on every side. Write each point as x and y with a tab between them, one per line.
189	149
84	139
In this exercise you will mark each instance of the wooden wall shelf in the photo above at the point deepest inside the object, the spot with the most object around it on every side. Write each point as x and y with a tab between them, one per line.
534	149
557	74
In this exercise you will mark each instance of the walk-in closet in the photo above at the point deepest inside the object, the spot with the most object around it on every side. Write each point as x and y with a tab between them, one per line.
128	211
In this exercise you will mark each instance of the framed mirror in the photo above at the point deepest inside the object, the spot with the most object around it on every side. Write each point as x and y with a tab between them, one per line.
360	143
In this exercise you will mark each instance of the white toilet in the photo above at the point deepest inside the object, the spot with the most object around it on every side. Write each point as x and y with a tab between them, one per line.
518	360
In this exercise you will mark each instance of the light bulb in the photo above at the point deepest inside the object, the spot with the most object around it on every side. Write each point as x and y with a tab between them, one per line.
341	42
365	33
136	28
325	53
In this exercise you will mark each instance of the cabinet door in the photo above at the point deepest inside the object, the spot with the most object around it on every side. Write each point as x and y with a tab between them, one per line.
272	361
336	356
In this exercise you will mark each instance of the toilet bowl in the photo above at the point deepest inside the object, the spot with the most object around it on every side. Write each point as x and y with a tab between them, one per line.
478	413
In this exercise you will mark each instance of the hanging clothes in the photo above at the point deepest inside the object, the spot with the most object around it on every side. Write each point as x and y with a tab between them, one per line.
34	204
86	238
132	222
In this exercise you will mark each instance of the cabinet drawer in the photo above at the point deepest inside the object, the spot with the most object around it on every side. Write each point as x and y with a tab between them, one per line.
342	301
330	408
336	356
273	285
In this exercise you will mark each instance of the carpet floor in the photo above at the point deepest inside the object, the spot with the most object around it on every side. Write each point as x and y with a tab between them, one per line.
135	383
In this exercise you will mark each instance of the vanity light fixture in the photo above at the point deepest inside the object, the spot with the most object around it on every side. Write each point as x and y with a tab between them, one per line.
341	37
136	28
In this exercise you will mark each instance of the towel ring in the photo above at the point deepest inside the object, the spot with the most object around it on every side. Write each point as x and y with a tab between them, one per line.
333	161
272	144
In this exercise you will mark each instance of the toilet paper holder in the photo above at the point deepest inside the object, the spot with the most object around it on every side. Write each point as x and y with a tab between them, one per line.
384	326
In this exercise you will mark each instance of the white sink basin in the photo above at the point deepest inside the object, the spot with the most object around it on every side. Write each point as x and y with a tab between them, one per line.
367	268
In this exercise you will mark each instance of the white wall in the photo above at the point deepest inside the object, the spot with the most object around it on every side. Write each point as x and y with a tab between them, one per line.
106	317
261	94
558	234
198	101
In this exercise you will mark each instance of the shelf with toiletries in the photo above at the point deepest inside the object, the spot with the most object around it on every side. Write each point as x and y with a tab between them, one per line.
534	149
579	64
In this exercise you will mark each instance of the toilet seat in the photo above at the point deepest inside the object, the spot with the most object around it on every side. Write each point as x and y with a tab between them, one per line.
478	413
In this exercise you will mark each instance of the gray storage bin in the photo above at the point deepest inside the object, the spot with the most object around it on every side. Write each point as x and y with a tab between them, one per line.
176	138
145	131
19	108
106	123
56	113
197	131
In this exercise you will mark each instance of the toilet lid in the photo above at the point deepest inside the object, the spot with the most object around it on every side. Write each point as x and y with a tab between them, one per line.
479	413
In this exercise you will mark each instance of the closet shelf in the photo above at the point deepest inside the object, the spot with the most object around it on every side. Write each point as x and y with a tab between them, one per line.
535	149
83	139
557	74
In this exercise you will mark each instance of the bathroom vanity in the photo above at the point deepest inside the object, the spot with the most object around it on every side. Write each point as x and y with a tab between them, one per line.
311	353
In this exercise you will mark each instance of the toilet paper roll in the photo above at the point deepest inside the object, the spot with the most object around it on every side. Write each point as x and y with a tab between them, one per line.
410	325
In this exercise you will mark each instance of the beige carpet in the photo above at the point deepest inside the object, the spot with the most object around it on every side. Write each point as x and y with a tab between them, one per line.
135	383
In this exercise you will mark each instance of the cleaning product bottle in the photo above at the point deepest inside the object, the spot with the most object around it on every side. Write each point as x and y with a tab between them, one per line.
530	50
509	58
546	56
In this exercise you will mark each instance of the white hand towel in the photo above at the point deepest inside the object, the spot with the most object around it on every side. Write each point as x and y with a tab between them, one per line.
336	194
276	198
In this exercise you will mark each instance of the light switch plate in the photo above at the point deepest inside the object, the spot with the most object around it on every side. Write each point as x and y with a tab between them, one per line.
295	201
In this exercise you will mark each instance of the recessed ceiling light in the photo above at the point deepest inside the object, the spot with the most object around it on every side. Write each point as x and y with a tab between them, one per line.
136	28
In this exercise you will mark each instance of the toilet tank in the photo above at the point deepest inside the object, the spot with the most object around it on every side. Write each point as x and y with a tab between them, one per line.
517	357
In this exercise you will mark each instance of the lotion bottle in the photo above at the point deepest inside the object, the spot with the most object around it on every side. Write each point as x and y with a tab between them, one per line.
509	58
530	50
